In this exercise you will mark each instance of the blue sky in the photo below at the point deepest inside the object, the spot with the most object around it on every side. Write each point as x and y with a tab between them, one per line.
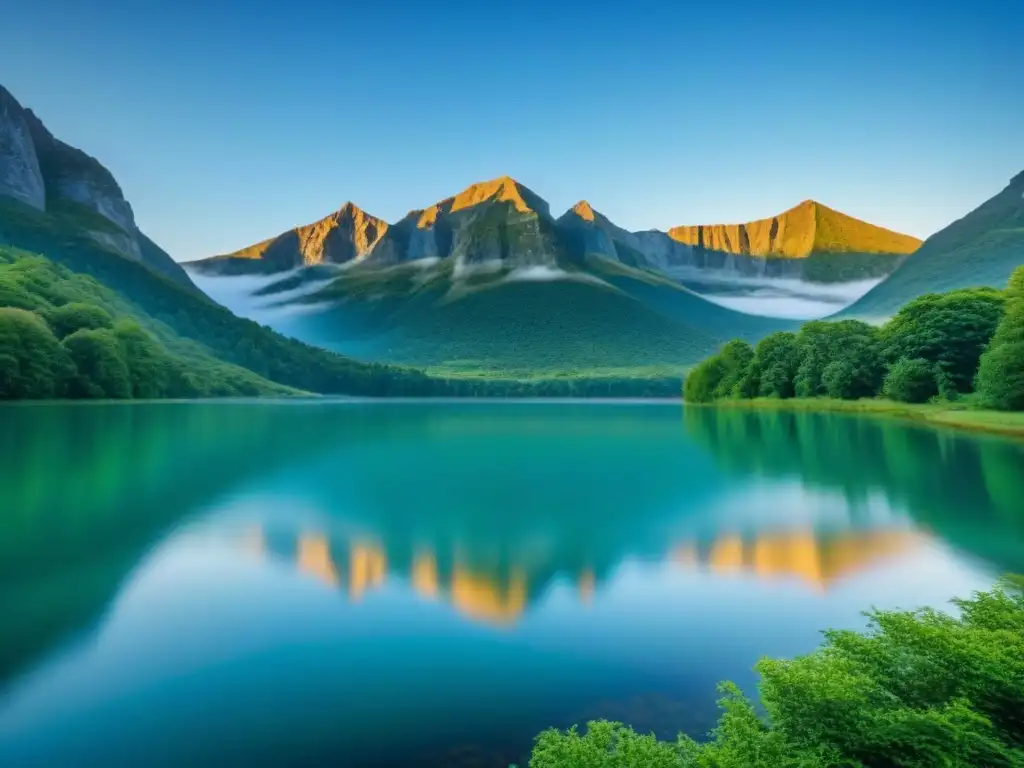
228	123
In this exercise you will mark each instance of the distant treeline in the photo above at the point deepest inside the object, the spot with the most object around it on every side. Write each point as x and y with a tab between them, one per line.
965	343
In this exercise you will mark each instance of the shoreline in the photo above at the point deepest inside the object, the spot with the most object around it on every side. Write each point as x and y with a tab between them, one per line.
951	416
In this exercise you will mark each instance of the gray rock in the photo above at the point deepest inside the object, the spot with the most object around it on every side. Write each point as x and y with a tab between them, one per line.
20	174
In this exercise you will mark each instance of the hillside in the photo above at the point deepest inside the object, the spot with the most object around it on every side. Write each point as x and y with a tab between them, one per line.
517	293
981	249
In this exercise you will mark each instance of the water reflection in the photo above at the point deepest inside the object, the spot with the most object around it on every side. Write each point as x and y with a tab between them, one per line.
255	576
818	562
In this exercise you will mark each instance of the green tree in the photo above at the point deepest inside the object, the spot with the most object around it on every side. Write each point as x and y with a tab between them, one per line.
77	316
822	343
772	371
32	362
102	371
734	359
950	330
1000	382
148	364
911	381
703	380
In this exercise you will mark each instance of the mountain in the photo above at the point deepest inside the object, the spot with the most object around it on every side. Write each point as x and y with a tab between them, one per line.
981	249
808	242
345	236
50	176
489	282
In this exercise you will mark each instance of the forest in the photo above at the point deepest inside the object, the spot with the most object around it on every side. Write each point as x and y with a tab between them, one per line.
964	345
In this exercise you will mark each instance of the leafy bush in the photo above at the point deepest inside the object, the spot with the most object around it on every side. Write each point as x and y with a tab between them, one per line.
911	381
77	316
102	371
950	330
1000	382
32	362
918	689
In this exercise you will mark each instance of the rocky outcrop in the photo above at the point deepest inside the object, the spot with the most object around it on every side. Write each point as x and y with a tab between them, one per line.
40	170
345	237
501	222
20	175
806	229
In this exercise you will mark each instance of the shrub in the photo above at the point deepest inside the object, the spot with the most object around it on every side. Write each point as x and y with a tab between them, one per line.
32	362
102	371
918	689
911	381
78	316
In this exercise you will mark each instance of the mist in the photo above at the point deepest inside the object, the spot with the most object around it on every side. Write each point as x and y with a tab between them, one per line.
236	293
788	299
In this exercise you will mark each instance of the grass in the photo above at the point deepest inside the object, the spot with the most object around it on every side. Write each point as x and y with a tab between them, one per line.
961	416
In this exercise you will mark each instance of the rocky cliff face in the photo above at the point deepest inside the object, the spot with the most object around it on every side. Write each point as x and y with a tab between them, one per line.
20	175
57	179
344	237
501	222
806	229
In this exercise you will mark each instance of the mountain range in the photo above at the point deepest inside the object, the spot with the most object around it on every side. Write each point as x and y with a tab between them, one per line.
489	280
808	242
484	285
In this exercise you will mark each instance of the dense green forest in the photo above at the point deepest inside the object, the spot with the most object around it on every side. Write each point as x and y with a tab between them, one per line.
965	344
918	689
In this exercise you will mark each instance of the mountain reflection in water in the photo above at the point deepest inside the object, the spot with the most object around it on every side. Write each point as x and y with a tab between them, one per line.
427	583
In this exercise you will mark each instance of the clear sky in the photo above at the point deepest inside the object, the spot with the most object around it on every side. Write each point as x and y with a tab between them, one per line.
228	123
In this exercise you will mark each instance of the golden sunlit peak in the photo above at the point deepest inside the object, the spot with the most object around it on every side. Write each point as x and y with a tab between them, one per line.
504	189
583	210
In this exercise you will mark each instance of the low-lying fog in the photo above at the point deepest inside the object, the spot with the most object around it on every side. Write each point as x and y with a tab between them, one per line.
237	293
791	299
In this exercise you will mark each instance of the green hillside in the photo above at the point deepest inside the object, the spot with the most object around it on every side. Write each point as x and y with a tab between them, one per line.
187	322
981	249
594	318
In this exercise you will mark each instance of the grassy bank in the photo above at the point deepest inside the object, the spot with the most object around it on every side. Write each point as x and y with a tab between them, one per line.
954	415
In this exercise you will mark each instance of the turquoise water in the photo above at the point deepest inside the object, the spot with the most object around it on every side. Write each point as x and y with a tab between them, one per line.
379	584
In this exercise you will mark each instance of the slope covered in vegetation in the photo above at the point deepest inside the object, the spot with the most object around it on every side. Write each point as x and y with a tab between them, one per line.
981	249
884	697
932	348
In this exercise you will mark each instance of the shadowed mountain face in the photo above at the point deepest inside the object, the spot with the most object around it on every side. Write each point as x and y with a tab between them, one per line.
981	249
52	177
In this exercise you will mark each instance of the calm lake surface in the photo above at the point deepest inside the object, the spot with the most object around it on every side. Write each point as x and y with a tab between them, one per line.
412	583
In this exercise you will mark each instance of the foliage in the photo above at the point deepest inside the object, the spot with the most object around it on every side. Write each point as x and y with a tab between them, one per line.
102	371
917	689
950	330
772	370
32	362
1000	382
910	381
931	348
76	316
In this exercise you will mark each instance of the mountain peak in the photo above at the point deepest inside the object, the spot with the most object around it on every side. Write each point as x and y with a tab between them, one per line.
583	210
806	228
503	189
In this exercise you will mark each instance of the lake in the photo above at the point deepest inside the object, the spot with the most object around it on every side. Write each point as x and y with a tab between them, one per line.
431	584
